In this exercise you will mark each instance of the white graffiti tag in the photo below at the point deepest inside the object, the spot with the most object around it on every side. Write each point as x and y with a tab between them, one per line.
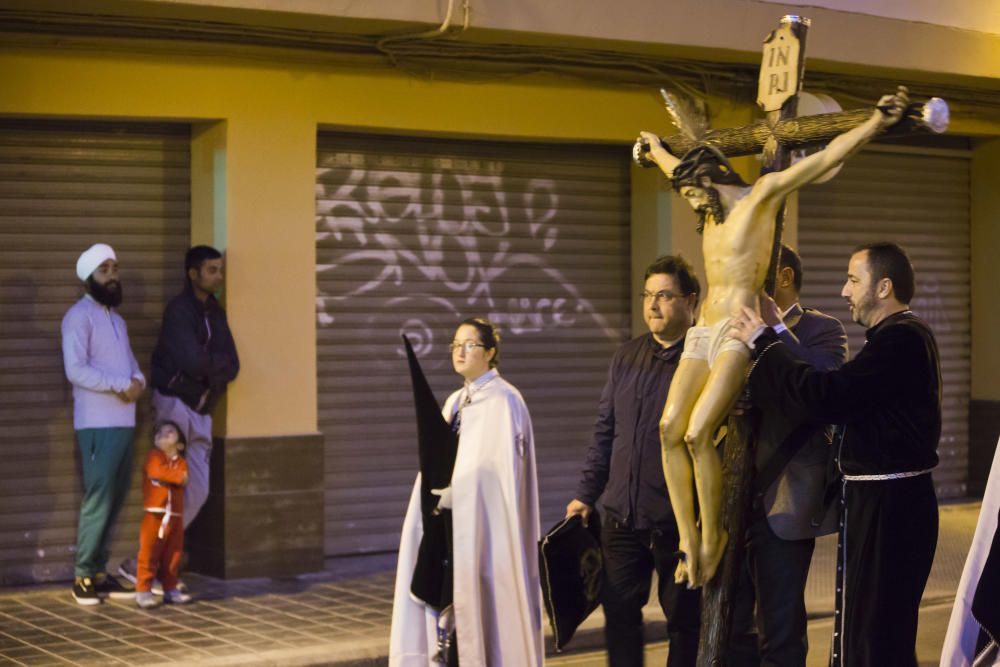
431	247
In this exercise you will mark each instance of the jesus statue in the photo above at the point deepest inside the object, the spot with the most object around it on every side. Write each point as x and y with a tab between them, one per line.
737	223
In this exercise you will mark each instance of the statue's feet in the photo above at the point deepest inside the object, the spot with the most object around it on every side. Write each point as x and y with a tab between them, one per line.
713	548
681	574
687	566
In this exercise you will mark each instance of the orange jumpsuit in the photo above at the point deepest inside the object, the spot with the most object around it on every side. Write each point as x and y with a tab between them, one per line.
161	535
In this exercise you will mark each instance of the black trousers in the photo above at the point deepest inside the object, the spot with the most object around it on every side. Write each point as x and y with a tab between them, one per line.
775	579
630	556
888	535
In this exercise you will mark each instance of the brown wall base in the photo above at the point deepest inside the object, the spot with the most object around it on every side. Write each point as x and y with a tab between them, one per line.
984	428
264	513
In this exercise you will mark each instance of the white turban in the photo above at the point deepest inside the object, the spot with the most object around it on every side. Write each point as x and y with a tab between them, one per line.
92	258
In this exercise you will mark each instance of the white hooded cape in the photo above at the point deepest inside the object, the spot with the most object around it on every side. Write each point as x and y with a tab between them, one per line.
963	630
495	529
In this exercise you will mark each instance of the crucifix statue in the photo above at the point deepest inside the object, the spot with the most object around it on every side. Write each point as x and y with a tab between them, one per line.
741	229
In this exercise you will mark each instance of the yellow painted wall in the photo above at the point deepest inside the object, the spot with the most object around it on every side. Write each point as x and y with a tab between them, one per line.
985	241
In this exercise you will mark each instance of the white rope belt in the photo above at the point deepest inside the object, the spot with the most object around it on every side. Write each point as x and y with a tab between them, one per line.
165	511
891	475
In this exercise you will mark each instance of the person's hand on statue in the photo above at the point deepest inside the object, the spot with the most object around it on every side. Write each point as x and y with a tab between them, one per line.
890	108
580	508
769	311
746	326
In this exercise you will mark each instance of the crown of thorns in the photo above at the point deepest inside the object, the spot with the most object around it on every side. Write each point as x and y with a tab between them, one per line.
704	160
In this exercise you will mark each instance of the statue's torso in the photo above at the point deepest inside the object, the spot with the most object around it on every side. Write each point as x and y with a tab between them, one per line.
737	253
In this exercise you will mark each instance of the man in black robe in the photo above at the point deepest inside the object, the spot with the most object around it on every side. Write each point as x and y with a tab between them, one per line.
888	401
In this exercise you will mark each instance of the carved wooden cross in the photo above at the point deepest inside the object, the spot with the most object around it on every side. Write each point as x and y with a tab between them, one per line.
780	81
776	137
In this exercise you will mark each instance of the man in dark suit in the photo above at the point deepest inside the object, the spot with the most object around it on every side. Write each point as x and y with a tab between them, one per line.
791	466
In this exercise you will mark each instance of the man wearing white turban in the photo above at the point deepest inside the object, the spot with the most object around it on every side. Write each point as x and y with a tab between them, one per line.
106	383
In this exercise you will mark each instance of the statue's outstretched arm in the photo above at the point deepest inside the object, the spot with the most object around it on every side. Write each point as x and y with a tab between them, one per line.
889	110
658	154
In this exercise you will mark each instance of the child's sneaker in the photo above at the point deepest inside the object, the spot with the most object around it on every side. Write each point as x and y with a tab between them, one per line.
109	586
146	600
157	587
84	591
176	596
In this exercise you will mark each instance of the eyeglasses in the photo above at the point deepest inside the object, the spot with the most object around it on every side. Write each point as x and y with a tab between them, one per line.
660	296
468	346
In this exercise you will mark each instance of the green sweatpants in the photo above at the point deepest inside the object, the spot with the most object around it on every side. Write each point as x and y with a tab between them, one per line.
106	454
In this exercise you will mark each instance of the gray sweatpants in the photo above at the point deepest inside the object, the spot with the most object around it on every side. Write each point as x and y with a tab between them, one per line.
197	430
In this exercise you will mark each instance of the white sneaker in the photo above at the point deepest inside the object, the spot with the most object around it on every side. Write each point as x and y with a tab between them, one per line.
157	587
176	596
146	600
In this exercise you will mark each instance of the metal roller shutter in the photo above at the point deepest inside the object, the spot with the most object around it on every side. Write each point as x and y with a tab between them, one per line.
64	186
918	198
415	235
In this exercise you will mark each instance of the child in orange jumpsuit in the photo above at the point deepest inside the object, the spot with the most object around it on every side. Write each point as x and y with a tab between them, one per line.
161	536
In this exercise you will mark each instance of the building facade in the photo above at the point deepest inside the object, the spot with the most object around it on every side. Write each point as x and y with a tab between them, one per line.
376	169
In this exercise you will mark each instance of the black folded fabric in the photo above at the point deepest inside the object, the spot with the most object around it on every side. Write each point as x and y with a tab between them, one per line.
437	445
572	569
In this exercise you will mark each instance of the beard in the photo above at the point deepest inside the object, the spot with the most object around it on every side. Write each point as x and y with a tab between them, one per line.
863	310
109	295
713	208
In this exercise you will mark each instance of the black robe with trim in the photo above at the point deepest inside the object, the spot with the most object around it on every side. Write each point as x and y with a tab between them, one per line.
889	400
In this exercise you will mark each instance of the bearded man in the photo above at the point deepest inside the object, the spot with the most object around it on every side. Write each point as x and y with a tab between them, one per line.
888	400
106	383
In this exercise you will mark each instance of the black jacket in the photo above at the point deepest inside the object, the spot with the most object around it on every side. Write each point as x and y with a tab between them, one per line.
888	397
195	356
623	462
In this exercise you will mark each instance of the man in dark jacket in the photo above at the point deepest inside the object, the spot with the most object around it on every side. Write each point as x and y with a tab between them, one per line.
888	399
195	358
623	468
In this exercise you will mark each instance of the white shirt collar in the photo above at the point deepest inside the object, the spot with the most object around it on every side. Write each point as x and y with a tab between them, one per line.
475	385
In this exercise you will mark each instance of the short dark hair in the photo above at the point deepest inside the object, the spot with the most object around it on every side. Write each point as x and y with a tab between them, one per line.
704	160
889	260
167	422
678	267
791	259
488	334
198	255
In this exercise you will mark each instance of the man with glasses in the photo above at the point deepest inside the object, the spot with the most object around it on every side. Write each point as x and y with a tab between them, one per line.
623	468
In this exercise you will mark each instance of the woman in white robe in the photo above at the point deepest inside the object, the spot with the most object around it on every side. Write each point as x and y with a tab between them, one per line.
493	498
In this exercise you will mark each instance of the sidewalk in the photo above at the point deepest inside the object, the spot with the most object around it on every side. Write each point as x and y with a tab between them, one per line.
337	617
